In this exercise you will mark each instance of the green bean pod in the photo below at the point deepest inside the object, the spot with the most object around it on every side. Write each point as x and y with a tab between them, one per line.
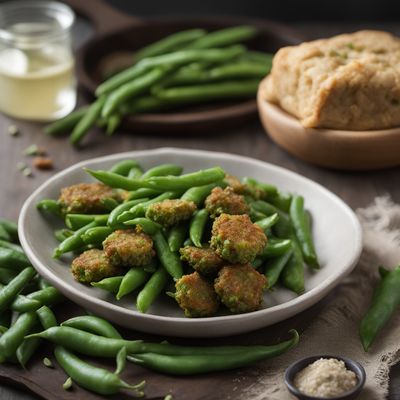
46	317
125	206
96	235
169	43
268	222
274	268
77	221
11	228
109	284
198	194
96	379
87	121
27	348
12	259
197	226
276	247
7	275
4	235
154	286
49	205
11	290
303	231
169	260
7	245
176	237
133	279
205	363
385	301
11	339
65	124
93	324
292	275
87	343
33	301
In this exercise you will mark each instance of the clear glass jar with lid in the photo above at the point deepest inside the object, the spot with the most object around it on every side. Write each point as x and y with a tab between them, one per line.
37	78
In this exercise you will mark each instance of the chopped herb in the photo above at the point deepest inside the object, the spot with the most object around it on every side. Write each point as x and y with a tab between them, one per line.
21	166
27	172
13	130
351	46
67	384
34	150
47	362
333	53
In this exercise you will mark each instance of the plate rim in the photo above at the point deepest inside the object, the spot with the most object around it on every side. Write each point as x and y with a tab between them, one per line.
324	287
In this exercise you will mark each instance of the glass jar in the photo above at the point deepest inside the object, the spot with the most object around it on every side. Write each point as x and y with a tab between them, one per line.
37	78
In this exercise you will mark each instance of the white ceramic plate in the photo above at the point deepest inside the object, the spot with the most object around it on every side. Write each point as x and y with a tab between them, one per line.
336	231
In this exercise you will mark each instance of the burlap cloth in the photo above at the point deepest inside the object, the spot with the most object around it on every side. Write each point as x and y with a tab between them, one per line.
335	329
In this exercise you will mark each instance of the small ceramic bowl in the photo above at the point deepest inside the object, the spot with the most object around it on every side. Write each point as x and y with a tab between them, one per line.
339	149
354	366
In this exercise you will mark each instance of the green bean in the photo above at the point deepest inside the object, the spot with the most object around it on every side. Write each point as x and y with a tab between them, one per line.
385	300
121	361
12	246
268	222
204	363
4	235
186	181
109	284
292	275
109	203
274	268
87	343
145	104
131	89
62	234
140	209
154	286
46	317
11	339
225	37
162	170
303	231
176	237
269	190
13	259
11	290
113	122
96	379
135	173
77	221
133	279
276	247
93	324
73	242
198	194
207	92
239	69
7	275
87	121
150	227
49	205
169	260
33	301
281	201
27	348
197	226
43	284
169	43
127	205
143	193
96	235
115	180
11	228
258	57
65	124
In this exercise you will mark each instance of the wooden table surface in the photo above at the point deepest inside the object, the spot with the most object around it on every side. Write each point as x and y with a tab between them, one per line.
358	189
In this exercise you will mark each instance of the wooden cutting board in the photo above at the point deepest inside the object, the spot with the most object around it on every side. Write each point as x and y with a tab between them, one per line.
47	382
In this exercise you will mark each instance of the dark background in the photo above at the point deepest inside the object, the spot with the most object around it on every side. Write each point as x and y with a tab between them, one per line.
285	10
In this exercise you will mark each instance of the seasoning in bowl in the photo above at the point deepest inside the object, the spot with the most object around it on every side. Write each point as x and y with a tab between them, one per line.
326	377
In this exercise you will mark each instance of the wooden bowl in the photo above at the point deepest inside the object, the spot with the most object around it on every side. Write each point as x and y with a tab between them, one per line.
118	35
338	149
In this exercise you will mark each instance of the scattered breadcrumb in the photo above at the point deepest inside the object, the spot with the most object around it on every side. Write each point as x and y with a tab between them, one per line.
47	362
27	172
21	166
34	150
67	384
43	163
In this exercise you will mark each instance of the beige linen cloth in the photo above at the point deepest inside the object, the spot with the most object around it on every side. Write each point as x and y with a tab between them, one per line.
335	329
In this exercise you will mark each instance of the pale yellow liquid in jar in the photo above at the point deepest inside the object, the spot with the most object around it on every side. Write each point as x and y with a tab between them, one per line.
37	83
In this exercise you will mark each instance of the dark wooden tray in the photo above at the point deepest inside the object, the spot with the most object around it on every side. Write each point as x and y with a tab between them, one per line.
118	34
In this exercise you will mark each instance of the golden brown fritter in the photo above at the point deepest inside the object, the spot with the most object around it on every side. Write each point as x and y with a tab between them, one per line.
236	239
86	198
196	296
233	182
93	266
129	248
204	260
171	212
240	287
225	201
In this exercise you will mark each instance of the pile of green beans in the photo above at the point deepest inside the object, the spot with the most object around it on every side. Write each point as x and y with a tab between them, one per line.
187	67
281	216
96	337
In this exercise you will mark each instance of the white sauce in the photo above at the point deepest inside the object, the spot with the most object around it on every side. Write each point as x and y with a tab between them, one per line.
326	377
